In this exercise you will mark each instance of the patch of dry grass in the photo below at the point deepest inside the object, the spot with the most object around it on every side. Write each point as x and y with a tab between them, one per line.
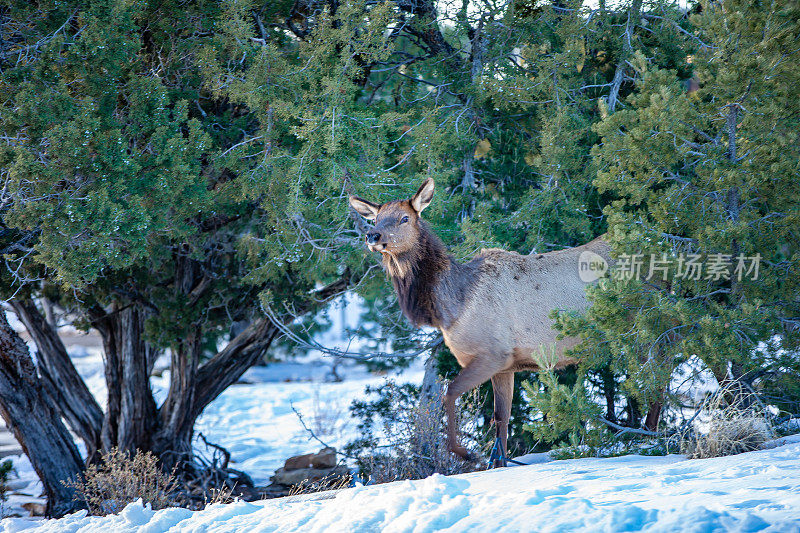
331	482
735	421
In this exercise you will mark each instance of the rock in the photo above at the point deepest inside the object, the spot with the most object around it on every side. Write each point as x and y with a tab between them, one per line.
34	508
298	461
312	472
325	458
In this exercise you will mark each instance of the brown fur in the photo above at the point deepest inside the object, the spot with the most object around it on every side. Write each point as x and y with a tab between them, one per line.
492	311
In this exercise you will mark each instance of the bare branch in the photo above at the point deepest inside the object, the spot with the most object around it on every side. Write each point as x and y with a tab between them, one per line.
627	48
621	430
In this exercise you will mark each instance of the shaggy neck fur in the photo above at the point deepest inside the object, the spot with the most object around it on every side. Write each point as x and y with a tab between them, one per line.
431	286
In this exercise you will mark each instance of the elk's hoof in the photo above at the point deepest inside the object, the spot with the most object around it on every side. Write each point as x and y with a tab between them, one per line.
499	463
498	456
460	451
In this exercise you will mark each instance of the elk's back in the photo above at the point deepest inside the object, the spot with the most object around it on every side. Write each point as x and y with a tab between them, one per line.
506	315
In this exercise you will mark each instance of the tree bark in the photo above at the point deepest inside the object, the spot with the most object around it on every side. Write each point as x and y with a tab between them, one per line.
36	423
610	393
633	412
61	381
173	438
430	394
653	416
130	411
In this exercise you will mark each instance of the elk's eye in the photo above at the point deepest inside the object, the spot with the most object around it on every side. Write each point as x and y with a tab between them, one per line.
404	220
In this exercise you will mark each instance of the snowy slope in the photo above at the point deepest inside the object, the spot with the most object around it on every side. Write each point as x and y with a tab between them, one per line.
757	491
259	426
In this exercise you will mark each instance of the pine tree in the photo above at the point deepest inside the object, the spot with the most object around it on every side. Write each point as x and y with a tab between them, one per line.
118	209
709	176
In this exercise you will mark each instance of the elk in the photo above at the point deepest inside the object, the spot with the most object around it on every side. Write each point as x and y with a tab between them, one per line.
493	311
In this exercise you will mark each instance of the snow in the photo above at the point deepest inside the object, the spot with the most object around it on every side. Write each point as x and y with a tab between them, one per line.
756	491
23	487
693	381
259	426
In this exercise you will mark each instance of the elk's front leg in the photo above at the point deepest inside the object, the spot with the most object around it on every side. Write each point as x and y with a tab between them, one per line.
478	371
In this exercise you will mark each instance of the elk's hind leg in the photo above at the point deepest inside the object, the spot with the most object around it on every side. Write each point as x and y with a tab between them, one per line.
503	388
478	371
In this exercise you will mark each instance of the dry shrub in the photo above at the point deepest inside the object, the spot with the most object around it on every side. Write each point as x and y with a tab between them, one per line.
330	482
414	442
329	417
216	495
118	480
736	422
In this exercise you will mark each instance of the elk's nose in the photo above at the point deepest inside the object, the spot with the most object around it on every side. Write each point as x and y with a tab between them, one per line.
373	237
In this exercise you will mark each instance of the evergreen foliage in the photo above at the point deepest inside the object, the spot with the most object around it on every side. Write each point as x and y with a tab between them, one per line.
6	468
710	173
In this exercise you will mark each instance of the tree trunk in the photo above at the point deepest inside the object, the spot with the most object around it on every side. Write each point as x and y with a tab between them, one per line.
610	393
430	399
132	420
36	423
173	438
430	394
633	412
61	381
653	415
131	411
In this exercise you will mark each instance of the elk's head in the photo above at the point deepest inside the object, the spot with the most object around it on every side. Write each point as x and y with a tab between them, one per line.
397	223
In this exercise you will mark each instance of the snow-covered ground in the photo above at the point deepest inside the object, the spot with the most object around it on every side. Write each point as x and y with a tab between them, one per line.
756	491
258	424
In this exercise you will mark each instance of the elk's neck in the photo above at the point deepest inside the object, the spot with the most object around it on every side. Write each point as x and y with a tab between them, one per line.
431	286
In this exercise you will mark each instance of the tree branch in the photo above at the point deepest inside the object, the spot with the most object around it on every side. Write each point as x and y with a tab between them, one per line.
244	350
69	391
621	430
627	48
36	423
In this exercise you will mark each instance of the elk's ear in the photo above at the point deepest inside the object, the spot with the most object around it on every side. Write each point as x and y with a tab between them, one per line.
364	208
424	195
